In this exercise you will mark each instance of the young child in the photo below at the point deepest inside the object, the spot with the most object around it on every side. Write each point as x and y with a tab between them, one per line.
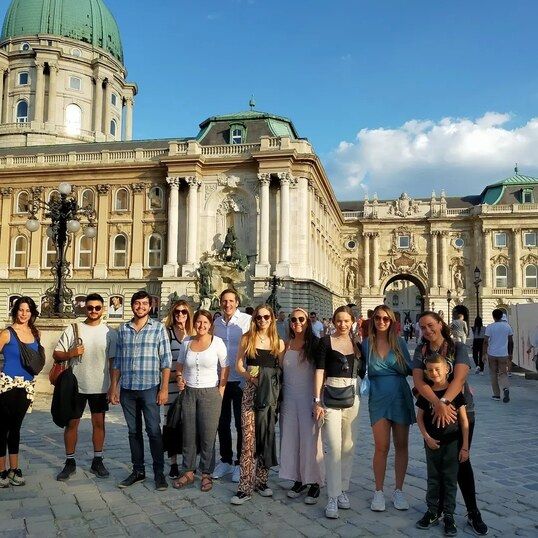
441	445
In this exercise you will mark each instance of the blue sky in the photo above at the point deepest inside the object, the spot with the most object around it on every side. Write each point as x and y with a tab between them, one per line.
394	94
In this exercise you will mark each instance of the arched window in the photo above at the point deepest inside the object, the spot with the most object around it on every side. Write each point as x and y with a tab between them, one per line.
531	276
49	256
113	127
54	193
156	198
73	119
87	198
155	250
501	276
237	134
121	202
19	259
22	112
119	253
23	202
85	252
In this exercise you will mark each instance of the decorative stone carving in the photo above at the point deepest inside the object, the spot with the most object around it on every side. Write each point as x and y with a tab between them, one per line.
173	181
230	182
138	187
395	249
103	188
459	279
209	189
403	262
6	191
404	206
37	191
350	278
387	268
264	178
500	259
232	204
422	270
530	259
193	181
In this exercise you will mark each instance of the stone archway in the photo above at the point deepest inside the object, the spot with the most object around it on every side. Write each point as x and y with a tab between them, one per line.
406	294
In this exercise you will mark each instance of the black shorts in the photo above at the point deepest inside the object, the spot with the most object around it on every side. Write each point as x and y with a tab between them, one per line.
98	403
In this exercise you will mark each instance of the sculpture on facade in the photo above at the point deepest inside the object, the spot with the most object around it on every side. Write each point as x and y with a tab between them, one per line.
387	268
229	251
351	278
404	206
205	285
422	270
459	282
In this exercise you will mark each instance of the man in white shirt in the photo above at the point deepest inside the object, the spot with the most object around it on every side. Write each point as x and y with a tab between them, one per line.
317	325
231	326
498	349
282	325
90	358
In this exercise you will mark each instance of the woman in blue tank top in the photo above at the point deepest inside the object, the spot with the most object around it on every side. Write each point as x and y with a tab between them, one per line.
16	387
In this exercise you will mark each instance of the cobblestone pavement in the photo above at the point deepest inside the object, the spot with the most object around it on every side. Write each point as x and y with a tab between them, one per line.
504	455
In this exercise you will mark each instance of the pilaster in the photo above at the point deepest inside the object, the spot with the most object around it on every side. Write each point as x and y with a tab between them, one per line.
192	224
39	106
100	270
171	267
137	243
6	198
263	266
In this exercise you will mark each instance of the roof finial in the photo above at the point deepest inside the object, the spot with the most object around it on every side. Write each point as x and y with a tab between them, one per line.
515	169
252	103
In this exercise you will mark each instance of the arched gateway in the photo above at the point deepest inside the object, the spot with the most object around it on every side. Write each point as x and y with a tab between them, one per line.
405	294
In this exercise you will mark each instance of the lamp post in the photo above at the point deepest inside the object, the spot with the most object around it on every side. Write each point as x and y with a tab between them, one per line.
272	299
476	283
64	213
448	299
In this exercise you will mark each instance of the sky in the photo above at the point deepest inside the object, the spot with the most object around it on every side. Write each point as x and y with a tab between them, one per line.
394	95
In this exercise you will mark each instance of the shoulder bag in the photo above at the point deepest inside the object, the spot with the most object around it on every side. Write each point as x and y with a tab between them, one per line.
32	361
341	397
59	367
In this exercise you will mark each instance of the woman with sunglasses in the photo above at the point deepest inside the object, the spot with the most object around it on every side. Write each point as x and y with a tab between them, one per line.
301	454
16	387
203	369
390	402
437	339
178	324
337	364
262	350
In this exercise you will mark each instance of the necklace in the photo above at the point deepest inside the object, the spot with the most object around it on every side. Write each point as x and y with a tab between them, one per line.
262	339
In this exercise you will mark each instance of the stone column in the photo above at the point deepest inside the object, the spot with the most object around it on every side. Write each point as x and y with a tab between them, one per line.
434	258
366	236
6	194
284	225
375	258
51	105
107	115
444	260
98	106
192	224
486	268
171	267
129	118
7	113
102	246
263	266
303	231
36	245
2	72
137	242
516	259
39	106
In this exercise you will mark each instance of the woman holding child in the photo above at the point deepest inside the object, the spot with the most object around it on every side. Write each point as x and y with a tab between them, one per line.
437	340
390	402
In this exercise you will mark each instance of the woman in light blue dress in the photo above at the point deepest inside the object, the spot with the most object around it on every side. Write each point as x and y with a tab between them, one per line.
390	402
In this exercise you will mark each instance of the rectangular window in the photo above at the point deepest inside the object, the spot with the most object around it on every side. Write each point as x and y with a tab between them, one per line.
529	239
499	239
404	241
75	83
24	79
527	197
114	99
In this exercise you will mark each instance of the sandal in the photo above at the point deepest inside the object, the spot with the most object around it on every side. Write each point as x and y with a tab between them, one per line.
186	480
207	483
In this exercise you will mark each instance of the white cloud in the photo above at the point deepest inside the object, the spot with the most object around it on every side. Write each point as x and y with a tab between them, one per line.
459	155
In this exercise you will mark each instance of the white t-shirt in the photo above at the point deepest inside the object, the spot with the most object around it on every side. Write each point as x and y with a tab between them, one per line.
92	369
200	369
498	334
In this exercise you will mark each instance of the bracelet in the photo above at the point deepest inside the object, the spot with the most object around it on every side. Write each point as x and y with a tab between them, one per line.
465	450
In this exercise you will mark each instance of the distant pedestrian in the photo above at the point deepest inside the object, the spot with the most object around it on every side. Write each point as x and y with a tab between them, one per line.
459	329
89	347
479	332
142	369
282	325
317	326
16	386
498	350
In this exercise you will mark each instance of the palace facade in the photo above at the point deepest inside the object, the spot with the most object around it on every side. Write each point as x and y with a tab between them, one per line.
165	206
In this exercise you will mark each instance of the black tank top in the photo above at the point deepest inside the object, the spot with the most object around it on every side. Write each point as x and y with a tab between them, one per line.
263	357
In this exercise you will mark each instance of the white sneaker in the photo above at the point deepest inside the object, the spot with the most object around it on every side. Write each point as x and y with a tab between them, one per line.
222	469
378	502
343	501
399	501
236	475
331	510
477	370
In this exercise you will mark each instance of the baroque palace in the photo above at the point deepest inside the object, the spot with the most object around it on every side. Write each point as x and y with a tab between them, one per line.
168	210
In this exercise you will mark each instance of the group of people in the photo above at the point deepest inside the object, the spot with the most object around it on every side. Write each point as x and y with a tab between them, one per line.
237	364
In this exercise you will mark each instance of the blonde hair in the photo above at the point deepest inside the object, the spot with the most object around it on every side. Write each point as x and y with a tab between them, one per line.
392	336
170	321
250	336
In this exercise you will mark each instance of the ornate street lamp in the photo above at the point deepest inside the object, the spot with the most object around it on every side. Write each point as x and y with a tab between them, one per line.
448	299
64	212
272	299
476	283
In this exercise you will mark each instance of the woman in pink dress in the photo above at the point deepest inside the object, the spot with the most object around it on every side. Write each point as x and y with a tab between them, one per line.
301	454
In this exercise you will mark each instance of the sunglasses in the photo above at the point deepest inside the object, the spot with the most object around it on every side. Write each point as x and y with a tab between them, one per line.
182	312
300	319
345	364
97	308
266	317
384	319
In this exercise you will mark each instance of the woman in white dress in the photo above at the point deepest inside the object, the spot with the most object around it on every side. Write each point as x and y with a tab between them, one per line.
301	452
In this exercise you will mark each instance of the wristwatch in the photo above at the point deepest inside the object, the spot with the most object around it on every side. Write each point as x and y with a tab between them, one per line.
445	401
316	400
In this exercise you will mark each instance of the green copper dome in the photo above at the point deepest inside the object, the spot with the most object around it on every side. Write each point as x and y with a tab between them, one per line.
85	20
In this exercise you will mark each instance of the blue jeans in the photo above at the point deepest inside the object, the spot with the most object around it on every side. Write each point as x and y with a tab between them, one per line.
136	403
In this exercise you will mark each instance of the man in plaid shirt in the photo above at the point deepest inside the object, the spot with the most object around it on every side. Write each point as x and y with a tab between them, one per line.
142	369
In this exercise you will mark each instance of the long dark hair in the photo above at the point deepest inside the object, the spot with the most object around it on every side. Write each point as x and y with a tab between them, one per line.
477	325
445	331
33	311
310	340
